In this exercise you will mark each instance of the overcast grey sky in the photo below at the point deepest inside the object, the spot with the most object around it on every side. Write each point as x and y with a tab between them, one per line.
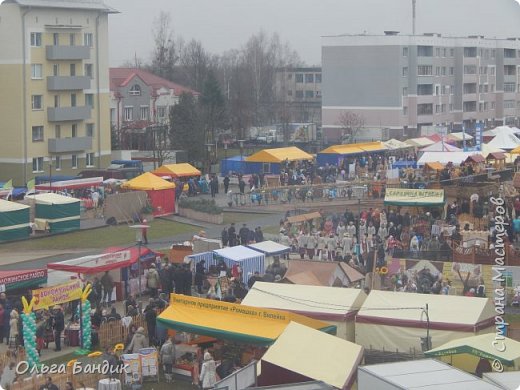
226	24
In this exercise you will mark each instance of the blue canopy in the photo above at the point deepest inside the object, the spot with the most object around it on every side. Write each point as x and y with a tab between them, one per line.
405	164
232	164
53	178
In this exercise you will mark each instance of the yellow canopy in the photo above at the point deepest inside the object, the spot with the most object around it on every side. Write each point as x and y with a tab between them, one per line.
177	170
231	321
435	165
516	150
146	182
291	153
355	148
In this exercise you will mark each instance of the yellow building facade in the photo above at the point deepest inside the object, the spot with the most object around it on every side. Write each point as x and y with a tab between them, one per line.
54	102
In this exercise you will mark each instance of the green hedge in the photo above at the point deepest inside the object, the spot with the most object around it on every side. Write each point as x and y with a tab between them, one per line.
202	205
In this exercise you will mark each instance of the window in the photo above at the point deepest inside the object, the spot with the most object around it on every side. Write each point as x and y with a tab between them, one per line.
57	163
444	52
112	115
443	90
451	107
299	77
57	131
36	39
87	39
509	104
405	91
443	107
437	70
470	69
470	52
470	88
289	92
72	39
437	90
89	100
56	101
73	69
128	113
74	131
89	159
405	52
424	89
144	113
492	105
509	53
437	51
469	106
480	107
74	161
299	95
309	94
437	108
73	100
424	70
452	70
443	71
289	76
318	94
90	129
492	88
405	110
56	69
89	70
36	71
508	87
37	133
161	111
493	53
37	163
509	70
425	109
425	51
486	88
37	102
309	78
405	71
317	78
56	39
135	90
452	52
486	106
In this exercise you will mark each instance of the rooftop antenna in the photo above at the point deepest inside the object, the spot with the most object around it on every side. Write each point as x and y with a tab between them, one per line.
413	16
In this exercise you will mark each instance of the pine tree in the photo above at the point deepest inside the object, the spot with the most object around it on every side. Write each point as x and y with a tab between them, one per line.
185	130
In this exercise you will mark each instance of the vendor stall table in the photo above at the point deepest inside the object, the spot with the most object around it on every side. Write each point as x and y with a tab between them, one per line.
109	384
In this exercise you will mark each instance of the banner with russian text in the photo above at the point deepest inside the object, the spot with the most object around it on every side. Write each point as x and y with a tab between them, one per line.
56	295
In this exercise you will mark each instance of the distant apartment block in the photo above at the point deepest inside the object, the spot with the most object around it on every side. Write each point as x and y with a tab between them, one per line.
298	95
402	83
140	104
54	75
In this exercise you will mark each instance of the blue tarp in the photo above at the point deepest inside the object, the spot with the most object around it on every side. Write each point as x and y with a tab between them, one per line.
233	164
404	164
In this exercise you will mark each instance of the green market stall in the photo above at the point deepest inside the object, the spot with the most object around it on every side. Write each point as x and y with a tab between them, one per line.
14	221
57	212
11	280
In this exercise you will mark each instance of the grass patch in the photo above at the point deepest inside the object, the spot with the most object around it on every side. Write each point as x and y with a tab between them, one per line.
100	238
238	217
271	229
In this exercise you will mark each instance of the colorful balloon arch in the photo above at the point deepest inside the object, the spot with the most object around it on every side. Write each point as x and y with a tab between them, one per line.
29	333
86	334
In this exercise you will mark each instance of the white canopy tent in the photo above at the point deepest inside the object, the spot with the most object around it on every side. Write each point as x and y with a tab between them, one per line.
419	142
441	147
509	380
334	305
394	144
501	130
506	141
458	137
444	157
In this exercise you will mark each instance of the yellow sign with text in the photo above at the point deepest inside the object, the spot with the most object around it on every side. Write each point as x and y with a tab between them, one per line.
56	295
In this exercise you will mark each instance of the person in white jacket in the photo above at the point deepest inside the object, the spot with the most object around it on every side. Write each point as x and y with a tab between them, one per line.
208	372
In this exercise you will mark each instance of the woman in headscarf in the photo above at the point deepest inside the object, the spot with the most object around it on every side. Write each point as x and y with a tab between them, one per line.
208	372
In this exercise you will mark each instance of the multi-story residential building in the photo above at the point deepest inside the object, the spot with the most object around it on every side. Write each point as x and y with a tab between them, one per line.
140	102
54	103
298	95
403	83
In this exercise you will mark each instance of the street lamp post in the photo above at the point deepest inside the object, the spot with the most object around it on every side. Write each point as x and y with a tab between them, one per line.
50	173
139	240
225	150
241	143
209	148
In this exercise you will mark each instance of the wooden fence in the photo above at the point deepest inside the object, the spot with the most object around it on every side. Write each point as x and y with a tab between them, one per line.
114	332
476	255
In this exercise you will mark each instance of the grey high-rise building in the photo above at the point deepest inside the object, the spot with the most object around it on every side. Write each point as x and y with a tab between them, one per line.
402	83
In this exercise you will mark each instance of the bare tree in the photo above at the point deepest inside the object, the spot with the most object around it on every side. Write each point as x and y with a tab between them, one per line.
351	123
195	65
166	51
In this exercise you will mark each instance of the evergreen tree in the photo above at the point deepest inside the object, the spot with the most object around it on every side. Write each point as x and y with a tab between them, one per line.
213	106
185	130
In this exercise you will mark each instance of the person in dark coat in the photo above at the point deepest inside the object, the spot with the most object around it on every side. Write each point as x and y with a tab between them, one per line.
200	272
244	234
232	235
259	234
150	316
165	277
224	236
241	185
178	280
59	327
226	184
187	278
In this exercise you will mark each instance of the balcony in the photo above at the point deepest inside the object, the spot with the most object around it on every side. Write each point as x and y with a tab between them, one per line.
67	145
67	53
63	114
68	83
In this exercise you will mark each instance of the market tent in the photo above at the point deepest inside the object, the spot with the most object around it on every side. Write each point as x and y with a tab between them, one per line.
304	217
321	273
414	197
278	155
231	321
459	137
420	374
444	157
476	158
484	346
500	130
434	166
25	278
363	147
395	144
60	213
113	258
270	248
310	354
508	380
249	260
516	150
419	142
71	184
161	192
440	147
232	164
506	141
337	306
177	170
395	321
14	220
485	149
